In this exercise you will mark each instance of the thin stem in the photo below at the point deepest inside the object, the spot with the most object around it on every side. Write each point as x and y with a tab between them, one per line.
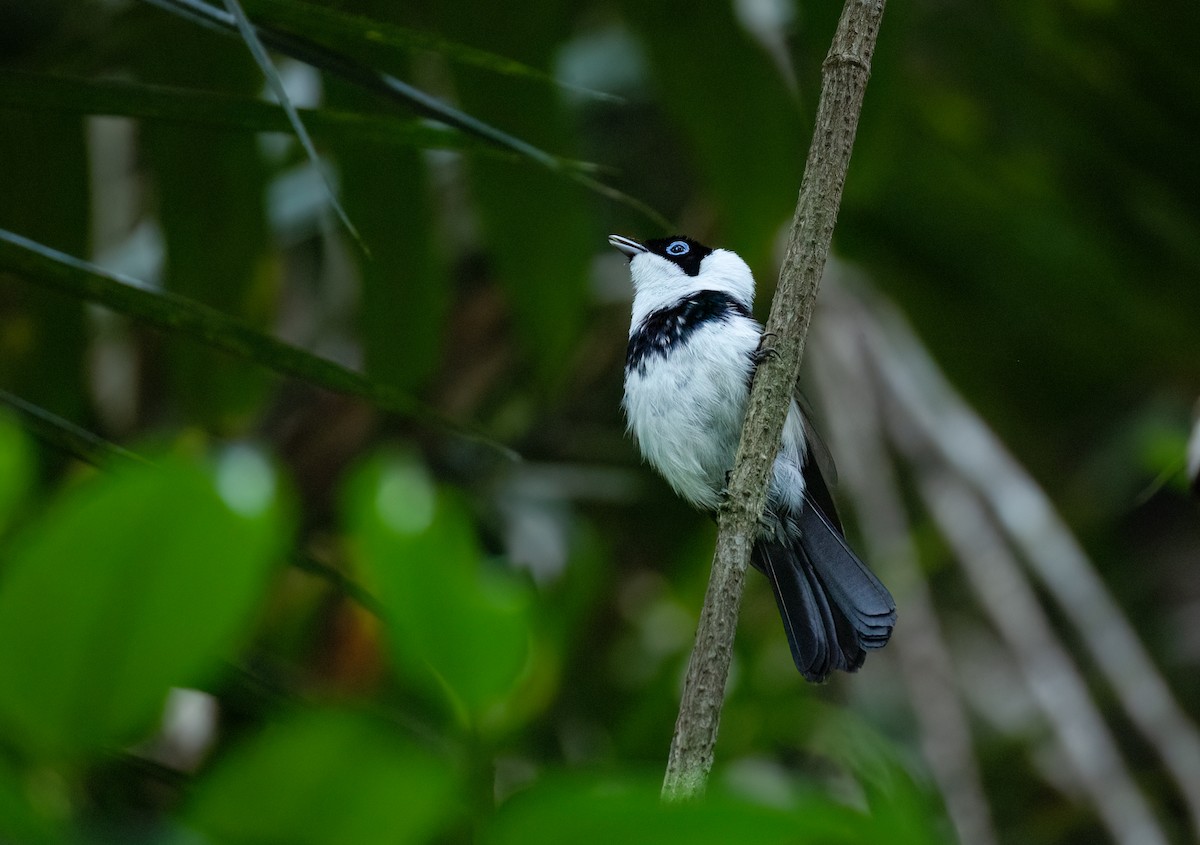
844	81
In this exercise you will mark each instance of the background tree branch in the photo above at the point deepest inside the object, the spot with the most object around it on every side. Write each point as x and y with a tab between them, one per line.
844	80
846	389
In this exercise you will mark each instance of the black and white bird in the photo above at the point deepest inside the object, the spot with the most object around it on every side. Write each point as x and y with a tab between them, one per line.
693	347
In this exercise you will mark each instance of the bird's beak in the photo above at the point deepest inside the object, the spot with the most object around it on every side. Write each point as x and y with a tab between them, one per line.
627	245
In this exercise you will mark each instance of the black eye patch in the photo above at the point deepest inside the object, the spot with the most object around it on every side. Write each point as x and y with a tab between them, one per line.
681	250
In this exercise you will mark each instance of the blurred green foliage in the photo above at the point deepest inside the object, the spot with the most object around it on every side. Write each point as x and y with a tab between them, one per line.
470	648
123	587
326	777
236	278
452	626
147	577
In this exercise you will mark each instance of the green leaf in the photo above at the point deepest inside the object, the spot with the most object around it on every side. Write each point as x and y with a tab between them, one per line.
227	170
250	37
64	434
901	809
44	189
405	294
16	468
358	34
183	316
587	810
452	625
325	778
127	585
741	123
364	76
546	284
172	104
25	819
370	79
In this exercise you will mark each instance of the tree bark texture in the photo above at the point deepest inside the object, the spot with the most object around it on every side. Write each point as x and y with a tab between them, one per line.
844	80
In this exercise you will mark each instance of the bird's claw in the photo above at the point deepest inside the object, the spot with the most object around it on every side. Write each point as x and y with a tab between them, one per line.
767	527
765	350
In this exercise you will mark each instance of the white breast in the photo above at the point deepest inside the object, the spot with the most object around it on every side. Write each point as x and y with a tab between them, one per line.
686	409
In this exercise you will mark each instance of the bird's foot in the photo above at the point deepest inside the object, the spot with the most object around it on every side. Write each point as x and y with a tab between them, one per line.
768	526
723	493
765	350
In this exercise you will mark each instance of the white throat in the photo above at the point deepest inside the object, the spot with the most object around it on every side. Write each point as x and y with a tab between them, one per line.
659	283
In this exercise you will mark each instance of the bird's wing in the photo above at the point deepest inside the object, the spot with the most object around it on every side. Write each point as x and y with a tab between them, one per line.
820	475
816	443
851	584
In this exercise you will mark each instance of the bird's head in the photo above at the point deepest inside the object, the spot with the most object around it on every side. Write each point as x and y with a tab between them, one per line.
665	270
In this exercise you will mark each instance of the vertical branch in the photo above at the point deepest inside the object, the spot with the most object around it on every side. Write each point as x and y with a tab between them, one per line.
844	80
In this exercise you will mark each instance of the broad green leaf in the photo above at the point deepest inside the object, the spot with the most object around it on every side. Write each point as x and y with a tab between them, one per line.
186	317
604	810
452	624
221	110
539	232
23	819
44	192
742	126
380	82
16	468
364	76
127	585
325	778
405	292
359	35
216	247
542	243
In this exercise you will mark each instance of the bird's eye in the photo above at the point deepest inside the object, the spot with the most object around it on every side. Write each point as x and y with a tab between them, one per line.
678	248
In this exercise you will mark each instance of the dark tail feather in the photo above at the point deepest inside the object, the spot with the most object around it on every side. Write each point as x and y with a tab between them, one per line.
807	616
833	608
819	635
867	604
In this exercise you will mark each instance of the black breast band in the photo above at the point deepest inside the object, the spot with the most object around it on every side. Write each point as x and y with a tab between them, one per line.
667	328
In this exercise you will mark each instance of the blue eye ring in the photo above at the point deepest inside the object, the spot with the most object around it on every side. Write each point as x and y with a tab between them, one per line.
678	248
